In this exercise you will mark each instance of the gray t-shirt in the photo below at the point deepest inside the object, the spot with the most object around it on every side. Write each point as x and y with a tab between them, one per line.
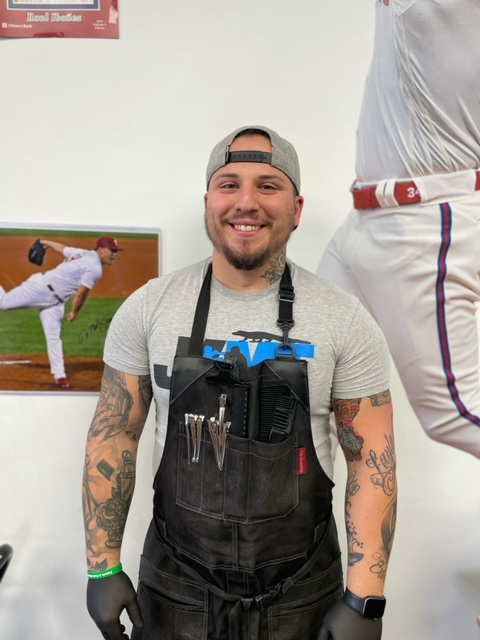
346	352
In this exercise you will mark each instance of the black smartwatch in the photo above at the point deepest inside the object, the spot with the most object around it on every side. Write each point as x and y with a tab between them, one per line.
369	607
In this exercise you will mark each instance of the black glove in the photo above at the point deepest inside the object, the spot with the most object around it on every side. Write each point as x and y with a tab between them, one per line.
344	623
36	253
107	598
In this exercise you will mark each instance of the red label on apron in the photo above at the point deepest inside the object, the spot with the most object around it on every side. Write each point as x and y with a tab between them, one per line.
302	461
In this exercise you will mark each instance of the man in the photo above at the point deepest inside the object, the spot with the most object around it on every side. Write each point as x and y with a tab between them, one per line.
49	291
409	249
242	543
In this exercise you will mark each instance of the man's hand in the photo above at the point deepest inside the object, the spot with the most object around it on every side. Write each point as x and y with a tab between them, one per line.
71	316
343	623
107	598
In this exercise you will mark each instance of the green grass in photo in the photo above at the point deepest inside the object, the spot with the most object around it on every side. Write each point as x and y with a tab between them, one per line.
21	330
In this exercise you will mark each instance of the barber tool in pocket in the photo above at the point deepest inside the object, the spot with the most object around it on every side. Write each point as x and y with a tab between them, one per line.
193	428
217	427
277	411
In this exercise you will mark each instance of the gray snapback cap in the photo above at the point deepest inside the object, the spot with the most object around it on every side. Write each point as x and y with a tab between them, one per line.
283	155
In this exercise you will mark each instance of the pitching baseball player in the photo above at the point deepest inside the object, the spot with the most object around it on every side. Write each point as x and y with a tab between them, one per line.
410	247
49	291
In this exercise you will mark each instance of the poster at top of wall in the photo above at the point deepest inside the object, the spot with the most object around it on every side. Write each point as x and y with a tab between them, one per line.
59	19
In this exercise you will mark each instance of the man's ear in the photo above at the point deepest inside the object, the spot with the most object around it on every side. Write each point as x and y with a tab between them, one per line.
298	211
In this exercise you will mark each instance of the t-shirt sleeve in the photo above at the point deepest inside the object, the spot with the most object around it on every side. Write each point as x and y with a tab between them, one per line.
363	365
126	347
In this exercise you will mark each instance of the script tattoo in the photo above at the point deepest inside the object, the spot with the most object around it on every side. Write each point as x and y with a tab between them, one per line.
381	398
353	543
351	443
384	467
276	269
382	557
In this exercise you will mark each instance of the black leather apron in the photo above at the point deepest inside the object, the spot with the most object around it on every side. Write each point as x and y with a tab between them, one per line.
246	550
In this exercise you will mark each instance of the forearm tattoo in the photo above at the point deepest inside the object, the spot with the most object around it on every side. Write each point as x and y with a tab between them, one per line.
384	467
382	557
382	464
109	516
384	478
354	545
345	412
276	269
113	416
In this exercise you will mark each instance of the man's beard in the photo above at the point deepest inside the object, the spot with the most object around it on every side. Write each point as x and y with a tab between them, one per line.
244	261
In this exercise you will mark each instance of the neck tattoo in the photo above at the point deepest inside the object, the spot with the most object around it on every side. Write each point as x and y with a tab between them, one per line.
275	269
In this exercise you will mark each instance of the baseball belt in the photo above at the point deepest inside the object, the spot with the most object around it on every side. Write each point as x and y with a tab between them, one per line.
404	192
60	301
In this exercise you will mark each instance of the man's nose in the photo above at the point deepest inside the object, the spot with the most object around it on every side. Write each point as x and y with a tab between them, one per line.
247	198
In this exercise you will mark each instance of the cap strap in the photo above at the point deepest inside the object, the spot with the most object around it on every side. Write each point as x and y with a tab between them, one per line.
248	156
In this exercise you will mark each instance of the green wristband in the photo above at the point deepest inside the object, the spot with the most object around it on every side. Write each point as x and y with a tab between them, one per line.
99	575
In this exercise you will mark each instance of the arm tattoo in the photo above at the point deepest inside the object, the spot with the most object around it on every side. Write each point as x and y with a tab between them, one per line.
384	467
353	543
111	515
114	406
382	557
384	477
345	412
276	269
117	413
146	393
381	398
145	389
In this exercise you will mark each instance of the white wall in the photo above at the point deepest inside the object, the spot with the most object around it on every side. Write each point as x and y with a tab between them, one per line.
118	133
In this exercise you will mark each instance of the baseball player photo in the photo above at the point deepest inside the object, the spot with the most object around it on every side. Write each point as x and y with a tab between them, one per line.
409	247
73	282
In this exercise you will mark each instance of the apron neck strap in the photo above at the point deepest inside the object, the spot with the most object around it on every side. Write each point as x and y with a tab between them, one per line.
286	297
285	320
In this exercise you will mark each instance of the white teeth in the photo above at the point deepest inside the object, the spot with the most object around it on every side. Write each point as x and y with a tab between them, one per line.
246	227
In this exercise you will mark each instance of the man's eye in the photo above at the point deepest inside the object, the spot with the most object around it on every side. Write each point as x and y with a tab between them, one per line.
228	185
268	187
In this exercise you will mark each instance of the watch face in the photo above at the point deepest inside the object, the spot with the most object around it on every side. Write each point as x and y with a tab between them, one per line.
374	607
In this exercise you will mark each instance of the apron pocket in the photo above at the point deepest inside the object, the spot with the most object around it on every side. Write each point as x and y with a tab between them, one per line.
258	482
303	618
171	607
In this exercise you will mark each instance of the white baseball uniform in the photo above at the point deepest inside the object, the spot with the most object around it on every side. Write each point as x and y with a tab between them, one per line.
49	291
416	266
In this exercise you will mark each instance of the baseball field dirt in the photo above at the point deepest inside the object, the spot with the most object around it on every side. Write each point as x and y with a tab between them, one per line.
31	372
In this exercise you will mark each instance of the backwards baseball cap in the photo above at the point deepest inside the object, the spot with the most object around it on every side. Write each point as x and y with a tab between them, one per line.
108	243
283	155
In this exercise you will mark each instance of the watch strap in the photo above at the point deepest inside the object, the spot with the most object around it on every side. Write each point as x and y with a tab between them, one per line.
369	607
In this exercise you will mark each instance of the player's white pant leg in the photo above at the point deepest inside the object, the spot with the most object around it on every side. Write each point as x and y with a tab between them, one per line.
31	294
334	268
332	265
418	269
52	319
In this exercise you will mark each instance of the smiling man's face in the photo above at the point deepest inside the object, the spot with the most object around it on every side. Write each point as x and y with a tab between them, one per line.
251	209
